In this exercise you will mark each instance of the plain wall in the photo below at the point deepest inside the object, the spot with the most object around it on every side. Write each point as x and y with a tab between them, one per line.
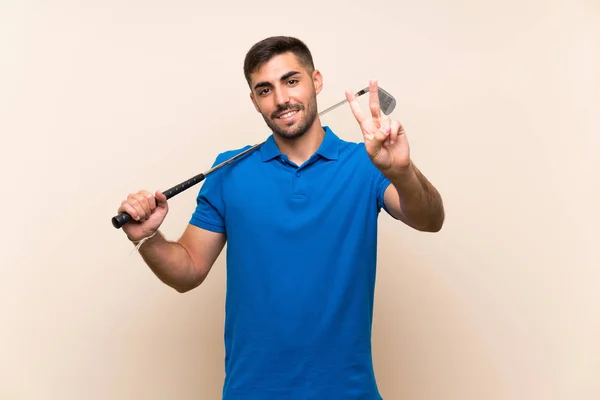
500	102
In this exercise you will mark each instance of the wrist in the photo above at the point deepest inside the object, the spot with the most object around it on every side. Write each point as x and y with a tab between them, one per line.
145	236
140	242
400	174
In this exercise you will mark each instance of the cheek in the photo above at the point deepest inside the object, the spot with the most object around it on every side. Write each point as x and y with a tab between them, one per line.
262	107
267	103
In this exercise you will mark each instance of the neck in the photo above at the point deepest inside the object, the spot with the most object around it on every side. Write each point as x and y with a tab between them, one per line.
299	150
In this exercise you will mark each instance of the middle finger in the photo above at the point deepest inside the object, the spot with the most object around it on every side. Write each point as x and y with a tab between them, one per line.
143	202
374	99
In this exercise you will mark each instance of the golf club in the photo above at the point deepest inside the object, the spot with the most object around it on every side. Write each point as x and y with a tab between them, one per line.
387	103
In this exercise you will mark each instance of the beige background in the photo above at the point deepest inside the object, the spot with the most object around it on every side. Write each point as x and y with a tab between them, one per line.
500	100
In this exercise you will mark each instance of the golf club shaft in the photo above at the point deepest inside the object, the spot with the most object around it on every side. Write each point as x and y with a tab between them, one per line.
357	94
121	219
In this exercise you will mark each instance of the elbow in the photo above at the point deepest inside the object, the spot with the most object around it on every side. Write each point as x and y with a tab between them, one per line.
433	225
188	285
435	228
429	228
182	289
436	224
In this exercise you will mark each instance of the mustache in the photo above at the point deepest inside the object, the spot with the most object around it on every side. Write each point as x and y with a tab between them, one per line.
291	107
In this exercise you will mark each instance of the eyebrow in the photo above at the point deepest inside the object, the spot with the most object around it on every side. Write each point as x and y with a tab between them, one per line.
283	78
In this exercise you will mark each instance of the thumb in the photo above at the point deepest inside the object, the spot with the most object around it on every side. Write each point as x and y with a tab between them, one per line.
161	199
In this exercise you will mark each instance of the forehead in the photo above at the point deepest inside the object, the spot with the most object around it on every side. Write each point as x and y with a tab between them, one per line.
276	67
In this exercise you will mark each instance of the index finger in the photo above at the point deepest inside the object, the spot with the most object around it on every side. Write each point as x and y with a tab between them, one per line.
355	107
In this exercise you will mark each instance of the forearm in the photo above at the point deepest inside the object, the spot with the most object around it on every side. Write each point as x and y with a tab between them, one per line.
170	262
420	202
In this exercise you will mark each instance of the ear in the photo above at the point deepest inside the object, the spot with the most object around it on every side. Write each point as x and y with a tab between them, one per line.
254	102
317	80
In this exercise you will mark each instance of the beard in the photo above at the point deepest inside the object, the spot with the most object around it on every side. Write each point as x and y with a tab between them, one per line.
295	129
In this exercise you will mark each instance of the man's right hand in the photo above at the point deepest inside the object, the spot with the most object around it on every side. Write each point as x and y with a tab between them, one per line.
147	211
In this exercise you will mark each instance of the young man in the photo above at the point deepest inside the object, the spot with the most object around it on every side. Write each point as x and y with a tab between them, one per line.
299	215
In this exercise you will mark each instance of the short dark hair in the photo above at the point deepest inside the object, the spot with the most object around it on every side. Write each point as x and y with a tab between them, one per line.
268	48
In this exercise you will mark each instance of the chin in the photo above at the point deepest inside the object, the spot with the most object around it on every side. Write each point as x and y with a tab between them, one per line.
290	135
295	131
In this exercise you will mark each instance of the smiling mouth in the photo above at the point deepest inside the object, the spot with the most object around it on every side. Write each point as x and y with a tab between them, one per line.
287	115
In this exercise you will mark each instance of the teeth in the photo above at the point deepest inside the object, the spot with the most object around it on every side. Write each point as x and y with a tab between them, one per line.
288	114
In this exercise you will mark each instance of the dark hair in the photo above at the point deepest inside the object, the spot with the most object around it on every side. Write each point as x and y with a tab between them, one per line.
270	47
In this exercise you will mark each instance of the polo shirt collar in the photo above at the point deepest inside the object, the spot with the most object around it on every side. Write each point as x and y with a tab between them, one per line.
269	149
329	148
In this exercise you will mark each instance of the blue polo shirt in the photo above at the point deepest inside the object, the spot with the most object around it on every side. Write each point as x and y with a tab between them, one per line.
301	260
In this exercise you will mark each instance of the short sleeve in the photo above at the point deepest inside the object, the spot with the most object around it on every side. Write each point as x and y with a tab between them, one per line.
377	181
210	207
381	184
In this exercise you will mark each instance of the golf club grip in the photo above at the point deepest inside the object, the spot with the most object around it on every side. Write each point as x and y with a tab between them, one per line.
121	219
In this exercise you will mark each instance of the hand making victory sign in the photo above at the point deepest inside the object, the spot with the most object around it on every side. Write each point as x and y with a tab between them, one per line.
385	140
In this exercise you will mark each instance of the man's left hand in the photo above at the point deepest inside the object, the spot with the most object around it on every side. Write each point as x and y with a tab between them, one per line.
385	139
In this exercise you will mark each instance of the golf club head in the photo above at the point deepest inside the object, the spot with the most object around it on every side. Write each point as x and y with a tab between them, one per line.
387	102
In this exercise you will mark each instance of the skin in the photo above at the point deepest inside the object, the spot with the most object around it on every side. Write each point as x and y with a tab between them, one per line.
411	198
282	85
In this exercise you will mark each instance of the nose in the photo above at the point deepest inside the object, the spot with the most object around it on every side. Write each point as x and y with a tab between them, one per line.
281	96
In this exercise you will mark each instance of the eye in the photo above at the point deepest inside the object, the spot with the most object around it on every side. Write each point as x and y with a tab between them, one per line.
263	92
292	81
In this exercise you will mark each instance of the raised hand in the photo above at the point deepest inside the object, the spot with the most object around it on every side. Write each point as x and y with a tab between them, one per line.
385	139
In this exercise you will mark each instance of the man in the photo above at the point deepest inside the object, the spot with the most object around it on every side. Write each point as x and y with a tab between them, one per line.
299	215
